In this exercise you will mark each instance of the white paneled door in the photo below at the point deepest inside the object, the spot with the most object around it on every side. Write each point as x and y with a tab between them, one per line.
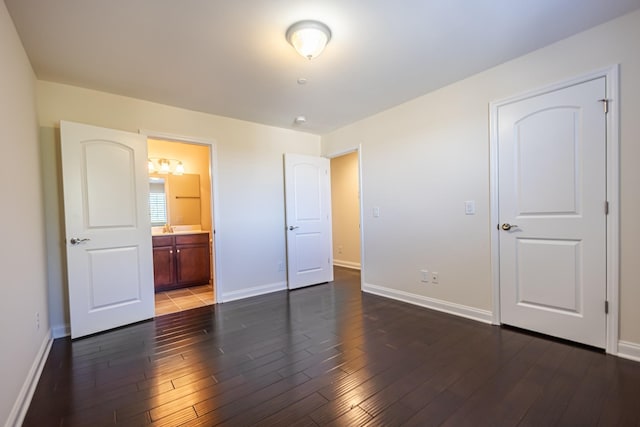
552	193
308	220
108	237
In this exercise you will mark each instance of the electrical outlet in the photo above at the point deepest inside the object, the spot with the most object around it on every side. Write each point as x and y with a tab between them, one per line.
340	249
434	278
424	276
37	321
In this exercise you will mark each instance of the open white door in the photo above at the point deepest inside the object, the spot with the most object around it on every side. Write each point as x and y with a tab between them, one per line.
552	193
308	211
108	237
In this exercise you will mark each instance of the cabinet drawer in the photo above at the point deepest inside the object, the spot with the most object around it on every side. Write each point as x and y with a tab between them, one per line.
190	239
162	241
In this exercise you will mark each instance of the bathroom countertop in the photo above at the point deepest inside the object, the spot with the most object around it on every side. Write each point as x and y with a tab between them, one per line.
178	233
157	231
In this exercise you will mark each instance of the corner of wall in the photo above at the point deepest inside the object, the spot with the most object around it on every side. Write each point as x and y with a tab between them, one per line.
629	350
21	405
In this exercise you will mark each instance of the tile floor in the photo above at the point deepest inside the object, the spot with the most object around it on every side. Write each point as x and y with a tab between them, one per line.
183	299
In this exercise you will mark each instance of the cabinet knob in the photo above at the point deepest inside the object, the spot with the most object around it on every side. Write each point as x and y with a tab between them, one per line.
171	251
178	250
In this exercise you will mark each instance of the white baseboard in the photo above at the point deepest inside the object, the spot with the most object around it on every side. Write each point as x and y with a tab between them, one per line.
61	331
629	350
472	313
346	264
20	407
253	292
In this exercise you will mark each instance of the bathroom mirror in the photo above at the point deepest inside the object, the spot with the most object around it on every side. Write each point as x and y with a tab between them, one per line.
174	199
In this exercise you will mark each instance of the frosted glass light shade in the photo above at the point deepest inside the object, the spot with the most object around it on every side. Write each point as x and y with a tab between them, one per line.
309	38
165	166
179	169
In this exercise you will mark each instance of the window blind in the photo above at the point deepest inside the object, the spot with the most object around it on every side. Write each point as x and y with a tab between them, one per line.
158	208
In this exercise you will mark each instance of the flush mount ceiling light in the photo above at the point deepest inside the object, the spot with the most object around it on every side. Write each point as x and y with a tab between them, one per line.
309	38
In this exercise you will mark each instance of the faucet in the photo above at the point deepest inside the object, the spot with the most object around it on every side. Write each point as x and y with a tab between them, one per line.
167	229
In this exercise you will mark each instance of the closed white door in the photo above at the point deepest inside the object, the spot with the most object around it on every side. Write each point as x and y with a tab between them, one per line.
108	231
552	194
308	220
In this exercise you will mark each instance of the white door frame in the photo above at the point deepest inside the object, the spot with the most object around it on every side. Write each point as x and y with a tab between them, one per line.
613	195
358	149
213	174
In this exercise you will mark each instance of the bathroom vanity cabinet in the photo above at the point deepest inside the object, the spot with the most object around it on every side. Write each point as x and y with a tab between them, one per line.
181	260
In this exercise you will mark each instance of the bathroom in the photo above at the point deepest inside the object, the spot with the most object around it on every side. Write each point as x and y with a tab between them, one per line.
181	208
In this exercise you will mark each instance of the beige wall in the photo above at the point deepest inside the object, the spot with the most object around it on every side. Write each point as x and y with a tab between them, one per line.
345	210
423	159
22	255
195	159
250	239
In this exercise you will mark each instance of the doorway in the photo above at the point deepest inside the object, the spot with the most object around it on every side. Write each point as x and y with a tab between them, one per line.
345	210
344	247
182	224
555	169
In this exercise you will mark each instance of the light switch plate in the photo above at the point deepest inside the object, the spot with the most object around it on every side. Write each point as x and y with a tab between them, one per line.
470	207
425	276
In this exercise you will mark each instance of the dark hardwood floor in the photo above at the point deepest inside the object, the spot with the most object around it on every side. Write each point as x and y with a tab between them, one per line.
329	355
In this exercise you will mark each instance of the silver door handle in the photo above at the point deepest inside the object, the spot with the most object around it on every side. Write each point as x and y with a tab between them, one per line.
74	241
293	227
506	226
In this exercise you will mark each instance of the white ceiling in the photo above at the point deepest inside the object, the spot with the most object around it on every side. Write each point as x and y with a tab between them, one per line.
230	57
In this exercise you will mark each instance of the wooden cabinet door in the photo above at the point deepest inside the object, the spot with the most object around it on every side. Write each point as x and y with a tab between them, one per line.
193	264
163	267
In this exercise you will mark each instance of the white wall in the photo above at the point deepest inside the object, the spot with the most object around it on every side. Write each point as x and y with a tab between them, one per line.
423	159
250	239
22	254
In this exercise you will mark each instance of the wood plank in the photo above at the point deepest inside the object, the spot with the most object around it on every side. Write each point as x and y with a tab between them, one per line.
328	354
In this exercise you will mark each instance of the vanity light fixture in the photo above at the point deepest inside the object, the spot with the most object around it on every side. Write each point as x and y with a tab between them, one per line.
165	166
309	38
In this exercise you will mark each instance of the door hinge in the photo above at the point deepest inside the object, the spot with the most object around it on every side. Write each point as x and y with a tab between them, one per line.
606	208
606	307
605	104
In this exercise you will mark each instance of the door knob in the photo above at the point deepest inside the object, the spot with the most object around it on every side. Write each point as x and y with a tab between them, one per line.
293	227
74	241
506	226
